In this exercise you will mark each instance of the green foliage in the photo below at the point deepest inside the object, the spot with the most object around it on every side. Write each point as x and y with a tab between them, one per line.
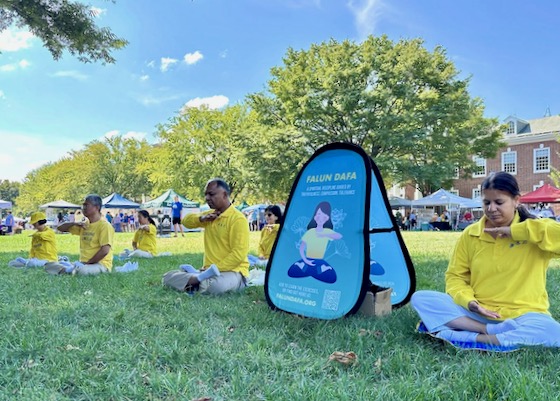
124	337
101	167
9	190
63	25
210	143
405	105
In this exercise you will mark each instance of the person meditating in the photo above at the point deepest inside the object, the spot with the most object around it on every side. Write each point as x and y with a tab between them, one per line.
43	245
226	245
144	241
273	216
496	279
96	240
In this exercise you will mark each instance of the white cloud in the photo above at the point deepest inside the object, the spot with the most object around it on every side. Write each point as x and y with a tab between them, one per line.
366	14
70	74
111	134
22	64
223	54
13	40
2	95
192	58
31	152
136	135
167	62
98	12
151	64
130	134
212	102
144	77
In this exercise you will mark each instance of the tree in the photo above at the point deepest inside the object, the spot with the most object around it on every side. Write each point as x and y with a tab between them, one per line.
9	190
62	25
208	143
102	167
404	105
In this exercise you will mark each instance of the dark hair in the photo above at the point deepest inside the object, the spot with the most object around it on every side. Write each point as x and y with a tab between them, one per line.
502	181
147	215
275	210
95	200
325	208
220	183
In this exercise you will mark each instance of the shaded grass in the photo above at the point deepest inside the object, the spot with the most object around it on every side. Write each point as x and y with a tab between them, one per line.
124	337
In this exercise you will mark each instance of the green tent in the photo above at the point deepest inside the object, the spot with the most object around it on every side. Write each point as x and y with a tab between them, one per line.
243	205
167	199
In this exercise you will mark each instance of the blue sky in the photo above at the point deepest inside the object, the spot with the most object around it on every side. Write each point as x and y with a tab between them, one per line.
188	52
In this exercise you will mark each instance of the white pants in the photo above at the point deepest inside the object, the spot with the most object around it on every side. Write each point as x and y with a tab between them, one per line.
256	261
87	270
22	262
436	309
226	281
140	254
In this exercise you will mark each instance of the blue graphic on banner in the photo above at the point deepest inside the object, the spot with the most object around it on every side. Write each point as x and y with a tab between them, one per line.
386	251
318	264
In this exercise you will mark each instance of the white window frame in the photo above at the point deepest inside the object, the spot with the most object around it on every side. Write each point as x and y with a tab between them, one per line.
511	128
476	192
514	154
454	191
481	163
535	152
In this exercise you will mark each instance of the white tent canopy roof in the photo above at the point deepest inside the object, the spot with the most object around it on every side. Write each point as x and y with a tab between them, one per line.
444	198
5	204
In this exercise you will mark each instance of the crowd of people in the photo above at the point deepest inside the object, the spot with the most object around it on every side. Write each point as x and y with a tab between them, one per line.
495	283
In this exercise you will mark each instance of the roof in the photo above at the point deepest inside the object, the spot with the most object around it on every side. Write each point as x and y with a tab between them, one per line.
117	201
60	204
167	199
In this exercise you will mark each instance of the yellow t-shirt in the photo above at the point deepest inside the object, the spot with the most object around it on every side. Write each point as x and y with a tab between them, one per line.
505	275
43	245
316	246
226	240
146	240
268	235
92	238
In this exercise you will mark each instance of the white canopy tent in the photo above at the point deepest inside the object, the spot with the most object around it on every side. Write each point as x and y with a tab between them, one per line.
5	204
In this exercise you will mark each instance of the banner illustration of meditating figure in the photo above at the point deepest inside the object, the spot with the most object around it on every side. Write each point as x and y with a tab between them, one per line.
337	238
313	246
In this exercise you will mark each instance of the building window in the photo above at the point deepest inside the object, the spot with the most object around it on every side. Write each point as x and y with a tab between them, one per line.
511	128
454	192
456	173
480	170
509	162
476	193
541	160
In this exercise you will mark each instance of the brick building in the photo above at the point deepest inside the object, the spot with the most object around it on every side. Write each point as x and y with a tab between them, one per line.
531	152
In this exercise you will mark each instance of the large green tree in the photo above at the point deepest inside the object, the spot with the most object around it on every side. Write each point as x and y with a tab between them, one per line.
200	144
9	190
403	104
102	167
62	25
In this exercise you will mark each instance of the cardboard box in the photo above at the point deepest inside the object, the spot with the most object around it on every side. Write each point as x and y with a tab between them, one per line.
378	303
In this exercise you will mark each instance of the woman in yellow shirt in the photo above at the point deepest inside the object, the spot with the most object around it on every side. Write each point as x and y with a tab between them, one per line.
144	241
496	279
273	216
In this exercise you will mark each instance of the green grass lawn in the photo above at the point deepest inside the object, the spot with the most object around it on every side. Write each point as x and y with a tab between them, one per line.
125	337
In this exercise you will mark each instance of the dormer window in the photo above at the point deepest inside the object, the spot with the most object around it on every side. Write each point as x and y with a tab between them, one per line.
511	128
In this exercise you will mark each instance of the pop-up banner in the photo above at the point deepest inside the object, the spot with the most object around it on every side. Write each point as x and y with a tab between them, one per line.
338	237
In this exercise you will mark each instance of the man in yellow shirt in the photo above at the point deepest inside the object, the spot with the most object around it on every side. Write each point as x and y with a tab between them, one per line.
226	244
96	238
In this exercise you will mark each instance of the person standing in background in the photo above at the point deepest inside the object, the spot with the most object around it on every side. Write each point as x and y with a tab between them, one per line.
176	216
